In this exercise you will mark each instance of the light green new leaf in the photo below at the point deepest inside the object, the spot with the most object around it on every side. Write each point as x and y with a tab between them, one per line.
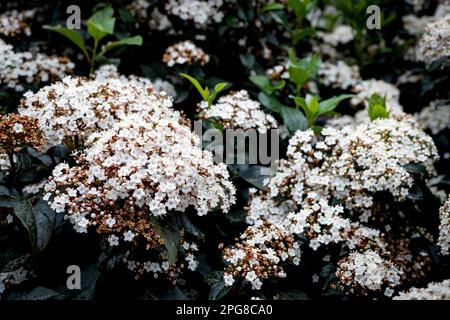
132	41
101	23
378	112
377	99
299	76
203	92
331	104
313	105
301	103
219	87
298	7
377	107
310	65
72	35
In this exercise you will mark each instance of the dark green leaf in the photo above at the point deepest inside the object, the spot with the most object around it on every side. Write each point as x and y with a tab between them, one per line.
218	288
254	176
45	220
169	232
89	278
270	101
331	104
298	75
247	60
191	228
417	168
281	18
272	7
261	82
293	295
72	35
300	34
24	211
294	120
38	220
38	293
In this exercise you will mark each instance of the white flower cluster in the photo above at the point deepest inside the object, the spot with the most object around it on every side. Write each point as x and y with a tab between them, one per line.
417	4
366	88
349	166
339	75
416	25
435	117
151	164
13	23
444	228
435	42
434	291
201	12
259	255
352	164
34	188
75	107
342	34
19	67
185	52
237	110
11	278
368	271
280	71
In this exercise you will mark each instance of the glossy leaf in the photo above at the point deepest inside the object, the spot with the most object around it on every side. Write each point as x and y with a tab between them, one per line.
72	35
132	41
331	104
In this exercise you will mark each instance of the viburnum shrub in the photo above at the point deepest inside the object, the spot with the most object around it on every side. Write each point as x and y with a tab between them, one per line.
115	119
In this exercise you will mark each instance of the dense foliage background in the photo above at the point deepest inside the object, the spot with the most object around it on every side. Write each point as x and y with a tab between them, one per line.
250	38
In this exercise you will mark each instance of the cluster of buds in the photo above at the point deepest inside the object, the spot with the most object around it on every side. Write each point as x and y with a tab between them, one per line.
259	254
184	52
17	132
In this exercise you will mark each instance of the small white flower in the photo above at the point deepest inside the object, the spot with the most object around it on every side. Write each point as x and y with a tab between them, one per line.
9	218
128	236
388	292
110	222
113	240
251	276
228	279
18	128
315	278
